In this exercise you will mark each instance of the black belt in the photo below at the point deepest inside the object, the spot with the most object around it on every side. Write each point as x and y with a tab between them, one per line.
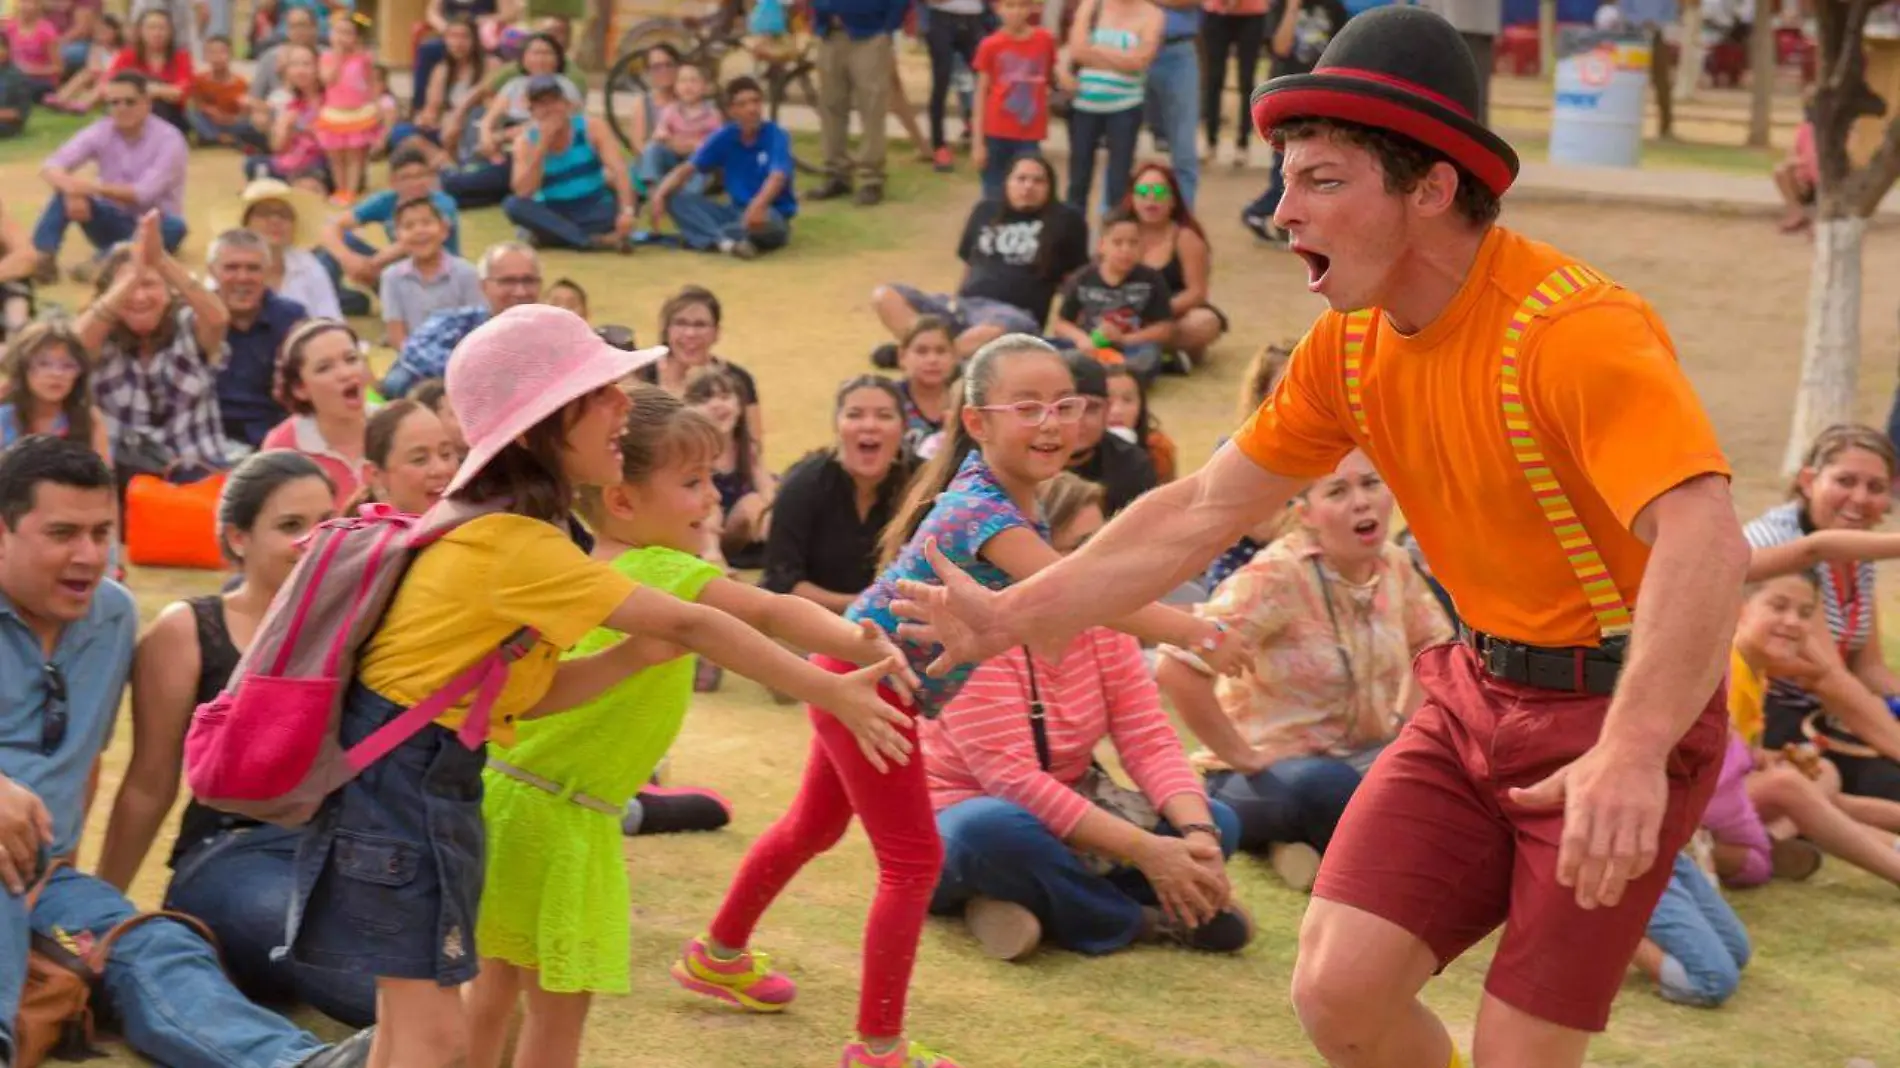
1179	37
1572	669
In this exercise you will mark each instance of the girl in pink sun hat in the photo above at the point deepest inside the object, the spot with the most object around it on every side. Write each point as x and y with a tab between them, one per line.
390	871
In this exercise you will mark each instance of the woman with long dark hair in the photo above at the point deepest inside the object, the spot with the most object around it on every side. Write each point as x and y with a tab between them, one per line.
1173	243
1016	252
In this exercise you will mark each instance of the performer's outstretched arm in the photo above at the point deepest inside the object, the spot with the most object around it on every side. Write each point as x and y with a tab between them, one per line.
1166	537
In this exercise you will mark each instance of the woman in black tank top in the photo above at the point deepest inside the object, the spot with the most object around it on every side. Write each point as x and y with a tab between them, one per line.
232	873
1173	243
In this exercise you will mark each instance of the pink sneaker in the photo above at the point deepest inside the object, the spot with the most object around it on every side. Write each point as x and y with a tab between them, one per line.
908	1055
747	980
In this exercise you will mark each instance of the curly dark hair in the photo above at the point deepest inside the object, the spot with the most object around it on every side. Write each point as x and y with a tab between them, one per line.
1405	162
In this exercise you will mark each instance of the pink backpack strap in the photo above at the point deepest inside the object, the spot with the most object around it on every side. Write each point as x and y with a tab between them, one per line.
486	677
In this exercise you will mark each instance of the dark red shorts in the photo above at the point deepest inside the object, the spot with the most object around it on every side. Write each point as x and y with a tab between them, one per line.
1432	843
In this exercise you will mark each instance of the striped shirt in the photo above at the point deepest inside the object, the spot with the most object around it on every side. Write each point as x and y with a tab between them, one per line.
1102	91
1848	604
982	744
575	174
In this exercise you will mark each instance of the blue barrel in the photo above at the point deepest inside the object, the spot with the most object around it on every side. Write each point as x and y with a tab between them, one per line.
1602	87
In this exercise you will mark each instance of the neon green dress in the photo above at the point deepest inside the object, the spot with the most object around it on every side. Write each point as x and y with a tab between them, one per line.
555	893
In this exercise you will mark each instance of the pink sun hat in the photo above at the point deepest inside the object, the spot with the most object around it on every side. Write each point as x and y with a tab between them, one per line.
522	366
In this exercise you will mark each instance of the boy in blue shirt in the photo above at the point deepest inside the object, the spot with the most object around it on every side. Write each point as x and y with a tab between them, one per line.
754	157
410	178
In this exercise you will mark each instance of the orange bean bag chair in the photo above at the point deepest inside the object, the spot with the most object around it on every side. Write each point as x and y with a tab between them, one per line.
169	525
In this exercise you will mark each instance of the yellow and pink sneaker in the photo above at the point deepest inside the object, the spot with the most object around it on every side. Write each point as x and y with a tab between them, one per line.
746	980
903	1055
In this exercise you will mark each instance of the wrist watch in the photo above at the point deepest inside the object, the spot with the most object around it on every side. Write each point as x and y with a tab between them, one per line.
1208	829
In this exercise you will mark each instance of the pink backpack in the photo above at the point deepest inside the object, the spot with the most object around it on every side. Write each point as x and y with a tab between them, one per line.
268	747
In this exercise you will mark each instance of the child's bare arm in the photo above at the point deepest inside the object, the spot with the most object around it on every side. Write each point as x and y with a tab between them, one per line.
803	623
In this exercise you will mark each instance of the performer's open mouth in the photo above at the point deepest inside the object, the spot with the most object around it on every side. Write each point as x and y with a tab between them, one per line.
1317	265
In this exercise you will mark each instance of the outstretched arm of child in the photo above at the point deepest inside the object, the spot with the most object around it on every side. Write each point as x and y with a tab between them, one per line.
807	626
852	699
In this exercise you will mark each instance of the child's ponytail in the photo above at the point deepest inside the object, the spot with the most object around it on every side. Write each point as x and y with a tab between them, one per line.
979	375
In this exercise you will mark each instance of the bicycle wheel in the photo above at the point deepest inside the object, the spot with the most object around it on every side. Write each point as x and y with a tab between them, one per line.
626	79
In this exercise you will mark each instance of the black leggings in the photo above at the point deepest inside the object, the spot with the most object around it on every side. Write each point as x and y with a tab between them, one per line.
1242	35
948	37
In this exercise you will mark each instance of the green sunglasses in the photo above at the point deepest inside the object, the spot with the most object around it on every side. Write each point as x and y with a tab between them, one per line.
1154	190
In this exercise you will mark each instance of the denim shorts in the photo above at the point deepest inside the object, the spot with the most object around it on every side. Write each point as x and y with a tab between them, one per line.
966	312
389	874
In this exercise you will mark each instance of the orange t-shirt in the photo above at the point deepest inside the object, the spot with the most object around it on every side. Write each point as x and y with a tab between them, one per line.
220	99
1616	417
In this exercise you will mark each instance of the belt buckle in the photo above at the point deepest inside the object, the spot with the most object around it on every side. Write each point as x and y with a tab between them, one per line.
1492	655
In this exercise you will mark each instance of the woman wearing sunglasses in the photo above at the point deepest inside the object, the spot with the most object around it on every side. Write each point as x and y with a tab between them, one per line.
1173	243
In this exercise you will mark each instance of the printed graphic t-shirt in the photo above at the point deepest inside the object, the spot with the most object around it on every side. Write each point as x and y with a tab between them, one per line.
1138	300
1020	70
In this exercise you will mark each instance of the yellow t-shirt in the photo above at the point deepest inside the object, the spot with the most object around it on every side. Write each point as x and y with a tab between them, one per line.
468	592
1747	689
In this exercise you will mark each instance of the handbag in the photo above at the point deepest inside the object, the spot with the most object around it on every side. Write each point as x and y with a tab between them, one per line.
1096	785
63	971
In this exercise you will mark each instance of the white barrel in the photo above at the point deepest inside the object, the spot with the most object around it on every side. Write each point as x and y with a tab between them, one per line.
1602	87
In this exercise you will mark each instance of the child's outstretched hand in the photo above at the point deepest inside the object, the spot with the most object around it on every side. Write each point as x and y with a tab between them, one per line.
869	717
877	647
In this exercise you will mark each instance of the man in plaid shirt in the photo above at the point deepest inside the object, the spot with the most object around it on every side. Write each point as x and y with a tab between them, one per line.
511	275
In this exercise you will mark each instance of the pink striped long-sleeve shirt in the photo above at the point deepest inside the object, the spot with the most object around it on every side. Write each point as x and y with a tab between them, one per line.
982	745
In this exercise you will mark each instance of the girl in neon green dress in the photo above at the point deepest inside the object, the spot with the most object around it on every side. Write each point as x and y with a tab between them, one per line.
553	924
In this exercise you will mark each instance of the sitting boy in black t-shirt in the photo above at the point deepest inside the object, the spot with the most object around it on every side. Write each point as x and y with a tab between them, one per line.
1117	307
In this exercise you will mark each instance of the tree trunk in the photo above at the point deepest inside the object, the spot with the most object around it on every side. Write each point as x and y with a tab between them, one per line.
1689	65
1761	75
1660	81
1830	357
1547	38
594	55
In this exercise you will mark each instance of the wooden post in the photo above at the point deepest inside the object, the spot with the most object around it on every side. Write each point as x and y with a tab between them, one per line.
1761	75
1547	39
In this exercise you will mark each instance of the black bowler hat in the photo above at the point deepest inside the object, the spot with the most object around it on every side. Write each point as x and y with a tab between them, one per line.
1402	69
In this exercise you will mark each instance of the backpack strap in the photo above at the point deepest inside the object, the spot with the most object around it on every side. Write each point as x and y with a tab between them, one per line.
485	676
1606	601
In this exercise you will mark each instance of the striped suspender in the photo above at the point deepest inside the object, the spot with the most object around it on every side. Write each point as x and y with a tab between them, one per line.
1606	602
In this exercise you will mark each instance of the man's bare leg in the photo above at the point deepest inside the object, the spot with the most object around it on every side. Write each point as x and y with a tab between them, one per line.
1355	988
1509	1037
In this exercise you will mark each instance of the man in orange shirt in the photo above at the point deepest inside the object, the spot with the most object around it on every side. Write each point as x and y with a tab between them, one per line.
1554	462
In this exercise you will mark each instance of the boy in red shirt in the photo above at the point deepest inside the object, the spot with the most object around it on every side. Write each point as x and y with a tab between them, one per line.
1014	67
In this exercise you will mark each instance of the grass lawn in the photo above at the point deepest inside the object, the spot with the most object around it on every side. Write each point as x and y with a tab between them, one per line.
1823	985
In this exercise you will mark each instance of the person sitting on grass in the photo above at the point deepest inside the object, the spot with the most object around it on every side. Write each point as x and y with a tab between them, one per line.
215	107
1117	308
510	273
233	873
429	278
1016	252
140	167
261	321
323	381
67	638
285	216
746	486
1695	947
295	155
567	294
410	178
47	383
80	92
441	126
160	337
753	157
1130	419
682	126
1173	243
570	186
1122	468
832	504
155	54
33	40
18	93
689	328
928	359
1030	849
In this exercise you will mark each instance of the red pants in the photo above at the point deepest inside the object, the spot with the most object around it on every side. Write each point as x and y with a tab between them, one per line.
895	808
1432	842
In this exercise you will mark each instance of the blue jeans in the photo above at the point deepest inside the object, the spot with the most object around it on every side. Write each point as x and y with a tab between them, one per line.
110	224
1004	152
1087	131
998	849
239	884
1704	944
656	162
174	1004
477	185
1174	102
208	131
705	223
428	54
72	56
1296	800
571	224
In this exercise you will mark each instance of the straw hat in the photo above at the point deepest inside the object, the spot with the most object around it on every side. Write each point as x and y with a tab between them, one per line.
310	209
